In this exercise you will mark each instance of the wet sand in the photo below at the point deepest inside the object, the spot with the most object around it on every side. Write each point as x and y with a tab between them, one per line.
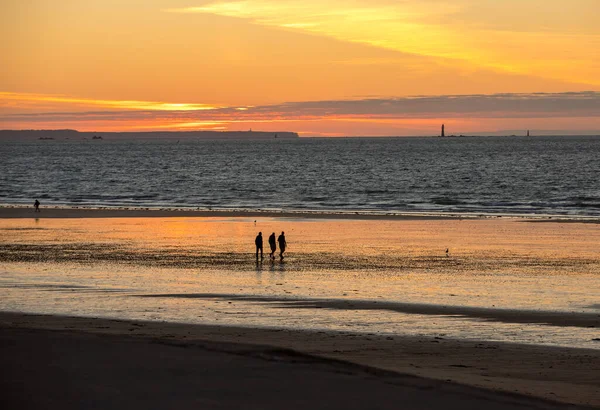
350	257
551	318
10	211
83	212
345	242
73	362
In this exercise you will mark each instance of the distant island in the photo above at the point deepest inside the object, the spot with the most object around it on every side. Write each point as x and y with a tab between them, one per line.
205	135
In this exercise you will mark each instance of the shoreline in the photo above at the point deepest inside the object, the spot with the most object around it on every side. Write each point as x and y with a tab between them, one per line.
58	212
555	374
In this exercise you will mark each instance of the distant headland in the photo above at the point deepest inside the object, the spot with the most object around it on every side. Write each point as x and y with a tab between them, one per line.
205	135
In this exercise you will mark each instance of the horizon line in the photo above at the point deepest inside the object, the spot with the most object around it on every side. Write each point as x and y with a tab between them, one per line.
499	133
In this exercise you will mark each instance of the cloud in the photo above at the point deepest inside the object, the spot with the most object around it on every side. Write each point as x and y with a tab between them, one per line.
8	99
496	105
510	35
400	26
539	105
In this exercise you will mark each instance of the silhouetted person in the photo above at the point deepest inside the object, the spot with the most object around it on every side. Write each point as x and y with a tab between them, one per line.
272	245
259	245
36	205
282	244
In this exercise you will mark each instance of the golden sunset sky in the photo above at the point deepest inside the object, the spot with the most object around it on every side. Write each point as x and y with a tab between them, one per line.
328	67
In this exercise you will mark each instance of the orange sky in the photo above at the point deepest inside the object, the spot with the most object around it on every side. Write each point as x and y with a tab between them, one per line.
199	64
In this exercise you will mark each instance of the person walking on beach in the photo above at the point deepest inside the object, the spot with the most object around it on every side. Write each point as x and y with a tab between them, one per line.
272	245
259	245
36	205
282	244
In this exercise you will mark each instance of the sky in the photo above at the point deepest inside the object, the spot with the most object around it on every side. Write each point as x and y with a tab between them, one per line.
320	68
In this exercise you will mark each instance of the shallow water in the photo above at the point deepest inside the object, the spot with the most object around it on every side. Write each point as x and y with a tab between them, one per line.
504	280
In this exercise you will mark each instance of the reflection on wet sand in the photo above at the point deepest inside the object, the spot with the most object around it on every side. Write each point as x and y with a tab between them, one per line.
506	280
496	315
195	259
493	246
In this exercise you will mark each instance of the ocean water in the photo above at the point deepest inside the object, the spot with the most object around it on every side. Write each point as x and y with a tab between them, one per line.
508	175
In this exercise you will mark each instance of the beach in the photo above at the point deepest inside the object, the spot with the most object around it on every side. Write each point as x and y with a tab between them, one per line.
510	309
191	364
58	211
261	204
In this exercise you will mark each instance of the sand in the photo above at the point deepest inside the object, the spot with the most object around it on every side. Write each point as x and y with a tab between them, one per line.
69	362
117	361
16	211
124	212
73	371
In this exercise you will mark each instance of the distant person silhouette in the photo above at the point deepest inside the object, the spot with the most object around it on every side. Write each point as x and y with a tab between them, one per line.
282	244
36	205
272	245
259	245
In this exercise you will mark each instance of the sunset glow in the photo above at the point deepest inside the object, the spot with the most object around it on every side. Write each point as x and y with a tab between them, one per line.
233	65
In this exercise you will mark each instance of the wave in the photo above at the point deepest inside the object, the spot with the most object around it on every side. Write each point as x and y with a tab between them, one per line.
447	201
391	175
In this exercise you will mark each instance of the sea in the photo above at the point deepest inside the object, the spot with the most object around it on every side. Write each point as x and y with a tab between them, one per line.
473	175
503	279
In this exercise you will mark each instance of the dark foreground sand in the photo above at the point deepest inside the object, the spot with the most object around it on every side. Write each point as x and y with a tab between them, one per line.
63	362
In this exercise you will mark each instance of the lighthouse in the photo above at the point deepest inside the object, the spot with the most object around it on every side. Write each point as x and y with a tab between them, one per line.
443	133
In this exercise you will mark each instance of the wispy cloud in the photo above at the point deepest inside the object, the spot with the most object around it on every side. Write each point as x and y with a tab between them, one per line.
20	100
394	25
484	33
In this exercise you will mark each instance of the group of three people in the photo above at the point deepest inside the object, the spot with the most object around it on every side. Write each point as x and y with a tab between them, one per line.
259	245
